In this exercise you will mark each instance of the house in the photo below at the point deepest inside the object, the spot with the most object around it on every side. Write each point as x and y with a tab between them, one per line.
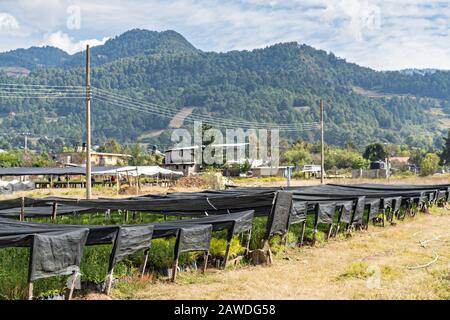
275	171
102	159
184	159
402	160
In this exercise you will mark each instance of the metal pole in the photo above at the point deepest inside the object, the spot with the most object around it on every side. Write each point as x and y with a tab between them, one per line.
322	147
88	125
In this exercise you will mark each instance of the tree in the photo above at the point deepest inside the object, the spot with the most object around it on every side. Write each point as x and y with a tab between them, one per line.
140	157
375	151
111	146
429	164
445	155
298	155
344	159
9	159
417	154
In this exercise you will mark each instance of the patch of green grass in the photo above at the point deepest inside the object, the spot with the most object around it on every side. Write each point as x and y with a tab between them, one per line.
362	270
358	270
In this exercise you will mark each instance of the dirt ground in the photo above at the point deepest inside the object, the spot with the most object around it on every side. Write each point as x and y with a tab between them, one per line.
370	264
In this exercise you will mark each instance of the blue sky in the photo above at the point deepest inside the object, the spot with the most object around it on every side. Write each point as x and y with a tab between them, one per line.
384	35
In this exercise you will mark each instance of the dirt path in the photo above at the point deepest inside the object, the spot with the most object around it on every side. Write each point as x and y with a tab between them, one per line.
338	269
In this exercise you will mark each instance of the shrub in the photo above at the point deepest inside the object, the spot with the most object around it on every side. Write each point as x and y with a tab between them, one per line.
218	247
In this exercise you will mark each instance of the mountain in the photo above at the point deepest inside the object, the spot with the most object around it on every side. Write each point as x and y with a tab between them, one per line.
282	83
131	43
34	57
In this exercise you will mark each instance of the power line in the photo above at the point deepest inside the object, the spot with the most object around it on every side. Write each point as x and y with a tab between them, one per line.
203	117
35	91
166	111
221	123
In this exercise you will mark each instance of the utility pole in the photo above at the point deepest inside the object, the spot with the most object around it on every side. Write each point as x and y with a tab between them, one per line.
322	146
88	125
25	134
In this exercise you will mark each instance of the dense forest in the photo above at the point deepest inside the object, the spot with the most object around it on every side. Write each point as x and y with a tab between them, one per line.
280	84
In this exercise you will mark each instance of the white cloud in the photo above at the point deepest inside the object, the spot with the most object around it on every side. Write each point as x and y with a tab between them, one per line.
65	42
8	23
382	34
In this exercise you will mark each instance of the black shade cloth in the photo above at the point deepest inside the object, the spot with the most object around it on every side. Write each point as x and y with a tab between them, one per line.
130	239
57	253
299	211
325	212
42	211
278	221
193	238
185	206
357	218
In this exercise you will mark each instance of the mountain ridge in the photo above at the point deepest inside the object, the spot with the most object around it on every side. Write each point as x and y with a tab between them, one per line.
262	85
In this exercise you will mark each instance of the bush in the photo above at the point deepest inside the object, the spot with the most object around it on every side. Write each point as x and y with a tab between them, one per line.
161	254
218	247
429	164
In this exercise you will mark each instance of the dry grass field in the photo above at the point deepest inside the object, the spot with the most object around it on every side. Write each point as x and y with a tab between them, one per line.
371	264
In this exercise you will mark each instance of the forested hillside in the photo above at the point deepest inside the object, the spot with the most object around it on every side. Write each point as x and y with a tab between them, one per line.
280	84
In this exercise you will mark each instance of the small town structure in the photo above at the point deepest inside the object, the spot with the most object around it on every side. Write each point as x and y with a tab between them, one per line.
102	159
184	159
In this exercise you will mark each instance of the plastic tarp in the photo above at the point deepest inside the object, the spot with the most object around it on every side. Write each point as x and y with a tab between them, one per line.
139	171
7	187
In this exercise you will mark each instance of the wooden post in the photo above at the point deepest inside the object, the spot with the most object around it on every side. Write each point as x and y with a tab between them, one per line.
68	181
54	211
51	181
174	269
22	209
72	285
30	290
88	125
137	182
302	233
205	262
118	183
109	282
227	251
144	265
322	146
247	246
330	229
314	239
